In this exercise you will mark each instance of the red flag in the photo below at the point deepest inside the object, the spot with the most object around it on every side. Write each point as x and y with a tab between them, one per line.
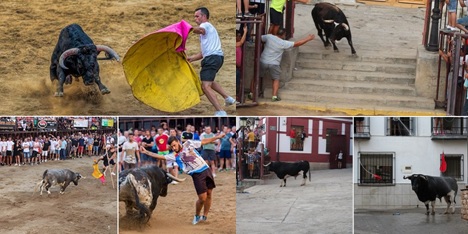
443	163
377	177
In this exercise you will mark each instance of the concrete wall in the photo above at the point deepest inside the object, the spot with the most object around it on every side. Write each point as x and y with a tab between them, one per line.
426	74
419	151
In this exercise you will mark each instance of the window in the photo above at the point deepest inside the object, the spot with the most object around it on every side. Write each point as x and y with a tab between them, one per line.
454	166
330	132
376	169
295	135
400	126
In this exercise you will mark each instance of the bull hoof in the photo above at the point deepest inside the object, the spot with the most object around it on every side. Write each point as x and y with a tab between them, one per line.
302	184
354	55
58	94
105	91
48	192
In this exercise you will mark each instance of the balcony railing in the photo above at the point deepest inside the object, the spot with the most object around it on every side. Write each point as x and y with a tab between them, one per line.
449	128
362	132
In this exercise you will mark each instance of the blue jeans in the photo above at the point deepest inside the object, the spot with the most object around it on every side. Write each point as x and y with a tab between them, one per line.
63	154
463	21
96	149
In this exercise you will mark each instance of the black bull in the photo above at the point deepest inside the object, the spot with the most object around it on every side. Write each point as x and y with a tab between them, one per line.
283	170
76	55
429	188
140	188
329	18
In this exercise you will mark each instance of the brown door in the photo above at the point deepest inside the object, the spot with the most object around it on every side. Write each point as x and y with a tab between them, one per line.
337	143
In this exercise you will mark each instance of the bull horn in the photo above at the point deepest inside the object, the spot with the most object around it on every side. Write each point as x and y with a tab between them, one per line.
266	165
109	51
423	176
69	52
175	178
345	26
328	21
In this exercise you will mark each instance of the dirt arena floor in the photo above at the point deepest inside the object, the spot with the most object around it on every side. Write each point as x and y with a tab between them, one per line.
174	213
89	207
29	32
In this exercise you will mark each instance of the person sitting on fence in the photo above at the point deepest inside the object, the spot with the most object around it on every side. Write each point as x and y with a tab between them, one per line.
462	23
452	12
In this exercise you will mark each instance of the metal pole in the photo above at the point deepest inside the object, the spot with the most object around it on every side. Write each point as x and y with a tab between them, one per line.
434	37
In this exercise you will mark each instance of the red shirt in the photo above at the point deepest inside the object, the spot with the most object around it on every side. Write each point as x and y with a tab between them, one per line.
292	134
161	142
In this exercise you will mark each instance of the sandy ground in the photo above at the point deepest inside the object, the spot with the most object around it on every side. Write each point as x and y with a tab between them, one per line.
89	207
29	31
174	213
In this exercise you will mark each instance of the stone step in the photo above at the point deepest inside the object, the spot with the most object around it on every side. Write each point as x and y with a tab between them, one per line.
351	66
365	57
380	77
354	100
357	87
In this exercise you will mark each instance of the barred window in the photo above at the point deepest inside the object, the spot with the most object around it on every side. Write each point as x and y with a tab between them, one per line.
376	169
454	166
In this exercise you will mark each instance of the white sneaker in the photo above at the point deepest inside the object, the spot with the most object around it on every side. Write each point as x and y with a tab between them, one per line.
220	114
16	164
112	173
229	101
174	182
46	160
214	175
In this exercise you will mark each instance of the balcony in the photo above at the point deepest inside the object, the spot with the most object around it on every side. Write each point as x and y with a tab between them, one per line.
449	128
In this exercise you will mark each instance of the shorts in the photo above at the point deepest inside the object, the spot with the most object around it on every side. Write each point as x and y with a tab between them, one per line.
96	149
203	181
452	6
251	144
225	154
34	154
208	155
90	147
27	154
276	18
210	66
9	153
293	141
45	152
259	10
106	162
251	166
129	165
463	21
273	70
3	153
80	148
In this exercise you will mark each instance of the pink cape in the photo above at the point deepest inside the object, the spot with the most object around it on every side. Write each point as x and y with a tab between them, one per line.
182	28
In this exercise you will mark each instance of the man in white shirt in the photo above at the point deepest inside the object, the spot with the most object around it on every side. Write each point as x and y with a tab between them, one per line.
213	59
132	154
270	60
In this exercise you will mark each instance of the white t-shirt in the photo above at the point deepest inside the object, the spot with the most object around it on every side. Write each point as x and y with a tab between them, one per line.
26	147
9	145
274	48
52	145
189	159
3	145
130	151
210	42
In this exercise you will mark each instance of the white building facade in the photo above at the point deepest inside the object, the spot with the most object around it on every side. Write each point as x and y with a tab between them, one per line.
388	148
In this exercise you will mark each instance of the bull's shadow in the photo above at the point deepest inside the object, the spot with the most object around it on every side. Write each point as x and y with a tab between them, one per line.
130	221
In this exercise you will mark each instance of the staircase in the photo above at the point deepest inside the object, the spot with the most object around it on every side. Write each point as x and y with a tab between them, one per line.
381	77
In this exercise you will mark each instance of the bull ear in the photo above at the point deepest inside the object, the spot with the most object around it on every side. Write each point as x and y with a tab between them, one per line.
345	26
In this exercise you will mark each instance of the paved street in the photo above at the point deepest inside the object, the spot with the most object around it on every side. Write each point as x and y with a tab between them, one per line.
322	206
408	221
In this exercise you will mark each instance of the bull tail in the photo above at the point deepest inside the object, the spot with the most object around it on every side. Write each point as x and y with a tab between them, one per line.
44	175
37	186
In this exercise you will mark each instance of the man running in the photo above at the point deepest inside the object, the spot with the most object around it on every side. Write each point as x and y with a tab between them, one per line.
190	161
213	59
